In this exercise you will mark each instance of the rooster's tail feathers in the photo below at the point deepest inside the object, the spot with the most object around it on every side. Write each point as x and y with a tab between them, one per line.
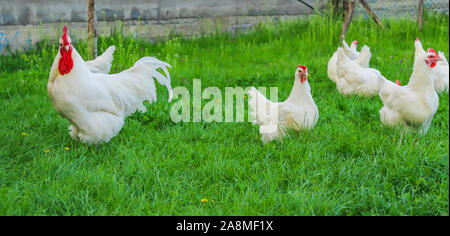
163	80
153	60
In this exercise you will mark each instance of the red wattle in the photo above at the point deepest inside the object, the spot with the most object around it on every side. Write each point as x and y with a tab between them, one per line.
65	62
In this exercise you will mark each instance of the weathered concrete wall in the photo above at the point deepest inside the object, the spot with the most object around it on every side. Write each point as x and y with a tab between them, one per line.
23	12
24	22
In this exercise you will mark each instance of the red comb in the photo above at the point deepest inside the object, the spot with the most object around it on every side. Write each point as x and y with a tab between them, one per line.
417	39
302	66
430	50
398	83
355	42
64	36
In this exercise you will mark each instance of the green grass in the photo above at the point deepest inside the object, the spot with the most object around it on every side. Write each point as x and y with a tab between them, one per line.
350	164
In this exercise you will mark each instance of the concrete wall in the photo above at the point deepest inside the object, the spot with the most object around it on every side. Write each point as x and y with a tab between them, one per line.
24	12
24	22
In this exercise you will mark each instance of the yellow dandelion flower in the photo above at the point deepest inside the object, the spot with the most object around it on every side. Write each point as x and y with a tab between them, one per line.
23	133
204	200
46	150
67	148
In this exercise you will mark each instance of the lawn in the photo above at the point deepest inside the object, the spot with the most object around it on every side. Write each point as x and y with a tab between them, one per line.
350	164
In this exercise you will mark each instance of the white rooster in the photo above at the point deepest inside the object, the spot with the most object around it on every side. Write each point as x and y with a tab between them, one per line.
96	104
354	78
102	64
352	53
298	112
415	104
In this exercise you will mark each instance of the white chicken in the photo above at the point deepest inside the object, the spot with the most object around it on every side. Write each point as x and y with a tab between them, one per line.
354	79
96	104
415	104
353	54
440	72
102	64
298	112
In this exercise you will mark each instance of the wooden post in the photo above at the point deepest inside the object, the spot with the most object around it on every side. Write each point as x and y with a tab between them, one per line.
420	17
345	8
92	32
371	13
348	19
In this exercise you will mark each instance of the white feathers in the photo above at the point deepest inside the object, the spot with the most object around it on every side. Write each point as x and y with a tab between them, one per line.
351	52
96	104
157	64
354	78
413	105
440	73
364	57
102	64
298	112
